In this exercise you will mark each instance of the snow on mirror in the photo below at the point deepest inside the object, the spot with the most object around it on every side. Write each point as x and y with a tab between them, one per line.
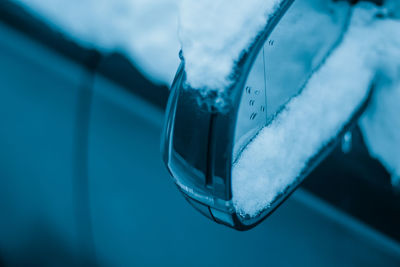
202	145
295	48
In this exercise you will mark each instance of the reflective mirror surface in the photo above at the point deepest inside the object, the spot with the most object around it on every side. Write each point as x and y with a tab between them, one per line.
297	46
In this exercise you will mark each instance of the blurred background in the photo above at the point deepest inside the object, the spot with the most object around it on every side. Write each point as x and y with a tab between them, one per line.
81	177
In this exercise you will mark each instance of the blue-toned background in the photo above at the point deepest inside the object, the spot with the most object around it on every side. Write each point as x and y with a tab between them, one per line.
82	182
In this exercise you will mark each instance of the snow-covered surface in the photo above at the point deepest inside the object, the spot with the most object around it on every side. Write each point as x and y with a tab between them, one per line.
146	31
275	158
215	33
381	123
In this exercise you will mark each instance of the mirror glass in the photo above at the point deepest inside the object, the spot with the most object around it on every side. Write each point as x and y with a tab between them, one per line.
304	37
